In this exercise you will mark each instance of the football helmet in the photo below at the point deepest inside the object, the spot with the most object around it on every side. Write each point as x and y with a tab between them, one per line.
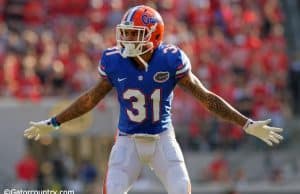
141	30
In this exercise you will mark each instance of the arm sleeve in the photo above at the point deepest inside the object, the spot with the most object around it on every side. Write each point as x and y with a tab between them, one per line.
183	65
102	67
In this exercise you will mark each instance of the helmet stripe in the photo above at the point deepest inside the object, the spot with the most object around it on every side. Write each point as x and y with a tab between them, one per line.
131	14
126	16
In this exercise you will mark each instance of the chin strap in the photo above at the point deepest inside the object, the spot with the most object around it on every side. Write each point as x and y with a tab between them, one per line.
143	62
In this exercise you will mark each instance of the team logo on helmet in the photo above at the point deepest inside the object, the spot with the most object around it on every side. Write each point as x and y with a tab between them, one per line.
161	76
148	20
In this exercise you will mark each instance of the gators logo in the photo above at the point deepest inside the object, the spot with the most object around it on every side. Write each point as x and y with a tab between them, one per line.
161	77
148	20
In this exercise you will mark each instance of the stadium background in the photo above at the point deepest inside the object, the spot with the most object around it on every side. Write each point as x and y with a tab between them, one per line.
247	51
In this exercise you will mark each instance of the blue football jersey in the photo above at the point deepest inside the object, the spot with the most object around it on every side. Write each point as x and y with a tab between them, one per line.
145	97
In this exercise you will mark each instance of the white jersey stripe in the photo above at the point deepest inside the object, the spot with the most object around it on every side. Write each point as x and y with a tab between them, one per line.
185	68
101	71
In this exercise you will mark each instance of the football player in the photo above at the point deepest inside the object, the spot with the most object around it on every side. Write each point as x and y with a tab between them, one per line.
144	72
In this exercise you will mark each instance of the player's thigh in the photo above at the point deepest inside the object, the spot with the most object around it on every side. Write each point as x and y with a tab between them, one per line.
123	167
170	167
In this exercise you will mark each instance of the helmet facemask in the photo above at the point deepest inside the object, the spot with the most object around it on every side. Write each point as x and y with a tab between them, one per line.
141	43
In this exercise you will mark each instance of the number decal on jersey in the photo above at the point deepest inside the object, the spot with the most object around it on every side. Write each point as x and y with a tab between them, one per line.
138	111
170	48
138	105
112	50
155	97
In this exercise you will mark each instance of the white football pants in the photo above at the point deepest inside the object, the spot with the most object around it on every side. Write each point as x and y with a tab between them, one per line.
161	152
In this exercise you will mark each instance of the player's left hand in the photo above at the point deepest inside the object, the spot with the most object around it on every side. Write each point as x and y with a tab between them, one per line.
261	130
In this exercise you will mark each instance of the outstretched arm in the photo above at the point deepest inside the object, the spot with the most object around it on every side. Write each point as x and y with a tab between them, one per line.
220	107
210	100
82	105
85	102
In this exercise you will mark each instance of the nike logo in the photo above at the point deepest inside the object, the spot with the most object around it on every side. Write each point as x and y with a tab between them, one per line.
121	79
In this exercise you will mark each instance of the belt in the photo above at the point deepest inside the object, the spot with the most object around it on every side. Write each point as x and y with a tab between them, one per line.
123	134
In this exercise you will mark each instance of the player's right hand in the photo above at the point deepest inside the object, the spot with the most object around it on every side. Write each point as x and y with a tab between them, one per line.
39	129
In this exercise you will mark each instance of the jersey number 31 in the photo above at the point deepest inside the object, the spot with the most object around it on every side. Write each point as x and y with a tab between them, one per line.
138	112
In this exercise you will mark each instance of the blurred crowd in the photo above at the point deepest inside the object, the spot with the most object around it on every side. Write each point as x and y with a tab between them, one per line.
59	172
237	49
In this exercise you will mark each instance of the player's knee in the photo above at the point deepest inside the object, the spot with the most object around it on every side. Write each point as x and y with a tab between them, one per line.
115	188
180	187
117	182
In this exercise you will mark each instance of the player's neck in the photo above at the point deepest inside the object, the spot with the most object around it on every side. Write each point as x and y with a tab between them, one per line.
146	57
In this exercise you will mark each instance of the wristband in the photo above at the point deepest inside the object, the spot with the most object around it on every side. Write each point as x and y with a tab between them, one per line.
54	122
249	122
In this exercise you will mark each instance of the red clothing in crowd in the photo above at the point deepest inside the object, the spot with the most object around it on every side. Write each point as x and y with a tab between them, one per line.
74	7
218	169
27	169
275	62
2	3
34	12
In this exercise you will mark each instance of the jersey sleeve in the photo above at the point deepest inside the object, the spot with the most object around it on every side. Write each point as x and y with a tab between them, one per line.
182	65
102	66
105	67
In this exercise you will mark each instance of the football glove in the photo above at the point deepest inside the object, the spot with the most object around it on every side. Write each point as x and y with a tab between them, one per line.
41	128
261	130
